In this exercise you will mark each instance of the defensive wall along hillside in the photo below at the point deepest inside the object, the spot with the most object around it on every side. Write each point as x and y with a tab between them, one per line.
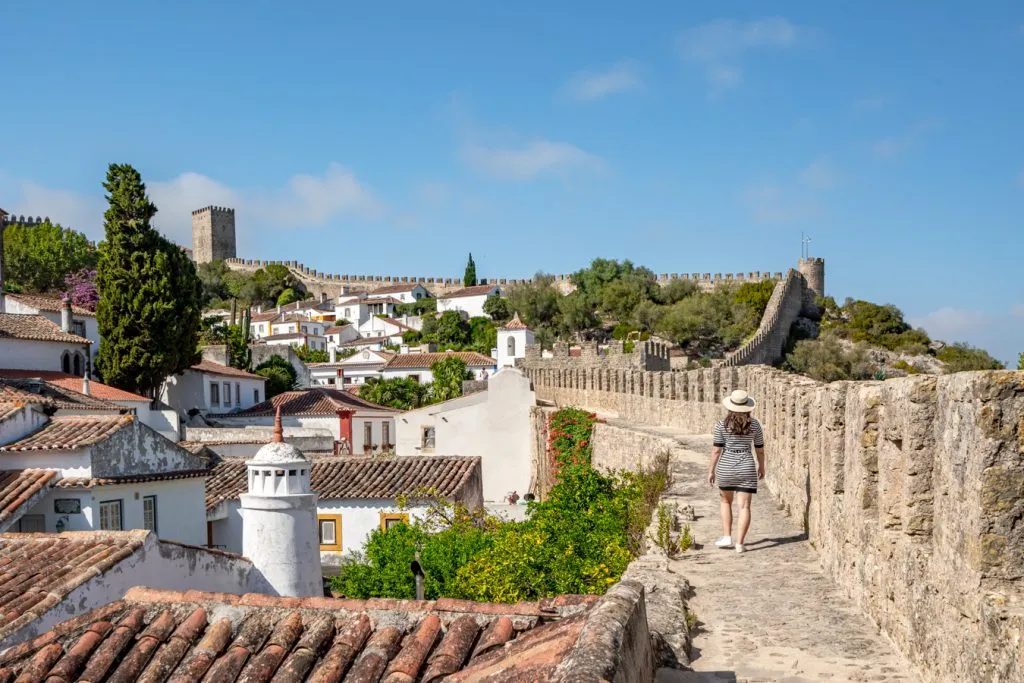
331	285
911	490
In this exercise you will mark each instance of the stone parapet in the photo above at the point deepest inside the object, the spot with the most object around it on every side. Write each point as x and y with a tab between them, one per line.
911	490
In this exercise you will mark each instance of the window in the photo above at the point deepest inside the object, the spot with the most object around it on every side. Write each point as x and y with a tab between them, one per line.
367	434
227	393
385	433
78	327
415	378
305	330
238	393
255	395
78	365
214	394
348	314
512	346
149	513
427	439
329	530
111	518
65	362
390	519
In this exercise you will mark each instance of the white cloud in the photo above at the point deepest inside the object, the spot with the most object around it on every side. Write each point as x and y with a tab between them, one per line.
718	47
304	200
818	175
898	145
586	87
1001	334
540	157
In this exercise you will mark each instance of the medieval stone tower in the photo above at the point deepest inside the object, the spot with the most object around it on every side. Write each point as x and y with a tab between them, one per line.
813	270
213	234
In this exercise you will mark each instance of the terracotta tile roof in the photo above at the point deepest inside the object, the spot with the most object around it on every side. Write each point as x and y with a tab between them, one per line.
37	571
352	301
19	487
366	341
515	324
65	432
200	447
397	323
215	368
476	290
335	329
288	335
315	401
472	359
35	328
41	392
360	478
92	482
396	289
156	635
74	383
264	317
51	303
9	410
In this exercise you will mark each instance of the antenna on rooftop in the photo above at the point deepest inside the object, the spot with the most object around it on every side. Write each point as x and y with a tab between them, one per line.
805	246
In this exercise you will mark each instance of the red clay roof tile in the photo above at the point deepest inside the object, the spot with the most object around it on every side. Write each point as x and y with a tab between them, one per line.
475	290
35	327
73	383
51	303
19	487
316	401
472	359
215	368
66	432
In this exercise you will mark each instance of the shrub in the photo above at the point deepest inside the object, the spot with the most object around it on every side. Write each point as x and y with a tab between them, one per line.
962	357
825	359
569	437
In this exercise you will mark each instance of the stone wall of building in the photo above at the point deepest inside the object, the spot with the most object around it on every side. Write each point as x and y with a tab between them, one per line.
319	283
911	490
787	301
213	234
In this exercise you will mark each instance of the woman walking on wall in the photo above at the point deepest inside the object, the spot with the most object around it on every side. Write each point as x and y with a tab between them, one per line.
736	439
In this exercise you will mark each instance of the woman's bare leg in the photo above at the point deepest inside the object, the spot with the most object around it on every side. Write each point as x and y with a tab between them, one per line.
725	505
744	523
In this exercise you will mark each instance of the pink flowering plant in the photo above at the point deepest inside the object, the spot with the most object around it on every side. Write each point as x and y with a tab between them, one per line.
81	287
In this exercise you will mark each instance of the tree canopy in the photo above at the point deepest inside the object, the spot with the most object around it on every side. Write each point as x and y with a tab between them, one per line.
469	278
150	296
279	373
38	258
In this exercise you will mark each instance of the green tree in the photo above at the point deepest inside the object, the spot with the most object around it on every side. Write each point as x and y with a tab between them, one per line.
280	375
1020	361
449	374
469	278
827	360
537	302
287	296
577	314
483	335
449	331
755	296
961	357
396	392
38	258
150	296
212	275
308	355
677	290
497	307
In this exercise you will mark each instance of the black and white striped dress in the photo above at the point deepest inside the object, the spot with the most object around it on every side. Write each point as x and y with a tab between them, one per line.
737	469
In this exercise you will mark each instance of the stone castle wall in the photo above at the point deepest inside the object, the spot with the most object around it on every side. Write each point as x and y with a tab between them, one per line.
765	347
332	285
911	490
213	234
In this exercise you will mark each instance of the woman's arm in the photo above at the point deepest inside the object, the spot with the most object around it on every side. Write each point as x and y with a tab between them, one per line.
716	453
760	461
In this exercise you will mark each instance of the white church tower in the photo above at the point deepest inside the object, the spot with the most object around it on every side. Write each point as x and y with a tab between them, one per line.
512	340
279	531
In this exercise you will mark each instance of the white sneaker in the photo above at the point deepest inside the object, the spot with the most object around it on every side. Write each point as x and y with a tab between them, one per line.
740	548
724	542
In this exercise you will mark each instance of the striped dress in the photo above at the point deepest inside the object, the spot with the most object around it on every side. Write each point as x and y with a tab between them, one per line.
737	469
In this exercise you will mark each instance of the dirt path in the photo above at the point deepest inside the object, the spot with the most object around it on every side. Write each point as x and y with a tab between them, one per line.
770	614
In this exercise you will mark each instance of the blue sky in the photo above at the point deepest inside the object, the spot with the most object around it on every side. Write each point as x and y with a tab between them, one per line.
392	138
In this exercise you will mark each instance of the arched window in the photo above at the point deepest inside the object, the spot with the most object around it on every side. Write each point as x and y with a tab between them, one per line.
78	365
65	362
512	346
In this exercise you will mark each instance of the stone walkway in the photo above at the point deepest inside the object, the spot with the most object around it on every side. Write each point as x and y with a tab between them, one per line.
770	614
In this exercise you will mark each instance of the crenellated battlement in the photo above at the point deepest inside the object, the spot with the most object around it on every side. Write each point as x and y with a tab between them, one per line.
214	209
24	220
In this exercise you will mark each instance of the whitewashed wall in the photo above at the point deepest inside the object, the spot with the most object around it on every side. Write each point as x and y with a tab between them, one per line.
332	424
24	354
17	426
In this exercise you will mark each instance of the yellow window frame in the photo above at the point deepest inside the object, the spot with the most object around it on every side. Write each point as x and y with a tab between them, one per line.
386	517
337	532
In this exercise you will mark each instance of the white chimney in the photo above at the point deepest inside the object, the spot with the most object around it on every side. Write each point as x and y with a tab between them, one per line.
334	354
85	384
65	314
339	380
404	348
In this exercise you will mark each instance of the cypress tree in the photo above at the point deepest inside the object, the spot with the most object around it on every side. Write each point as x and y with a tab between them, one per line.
150	296
469	278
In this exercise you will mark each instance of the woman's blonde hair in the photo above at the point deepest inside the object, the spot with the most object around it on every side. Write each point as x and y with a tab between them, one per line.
738	423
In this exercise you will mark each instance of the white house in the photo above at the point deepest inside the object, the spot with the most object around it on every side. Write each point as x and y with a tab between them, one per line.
297	323
337	335
367	426
359	308
51	307
163	420
297	339
111	472
361	344
209	386
407	293
354	370
416	366
354	496
493	425
512	340
33	342
376	326
470	300
260	323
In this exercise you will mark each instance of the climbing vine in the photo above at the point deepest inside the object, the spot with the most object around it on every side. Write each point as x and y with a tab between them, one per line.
570	431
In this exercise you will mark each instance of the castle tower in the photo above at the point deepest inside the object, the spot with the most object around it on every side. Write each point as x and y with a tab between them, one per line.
813	270
512	340
279	532
213	234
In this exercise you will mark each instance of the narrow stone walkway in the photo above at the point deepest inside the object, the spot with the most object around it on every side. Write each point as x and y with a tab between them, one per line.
770	614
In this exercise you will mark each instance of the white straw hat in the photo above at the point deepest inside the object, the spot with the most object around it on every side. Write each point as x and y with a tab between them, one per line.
738	402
